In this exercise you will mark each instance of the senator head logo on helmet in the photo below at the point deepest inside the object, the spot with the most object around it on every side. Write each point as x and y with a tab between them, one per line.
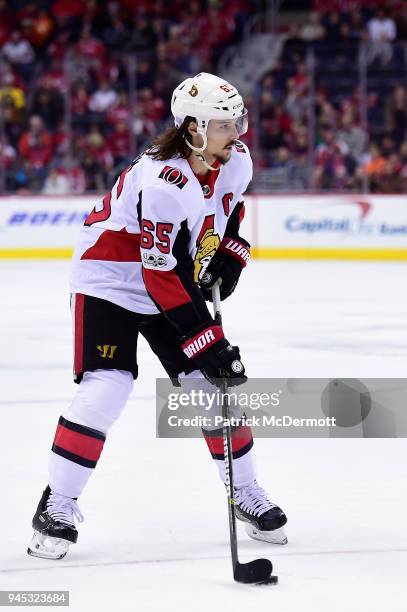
205	97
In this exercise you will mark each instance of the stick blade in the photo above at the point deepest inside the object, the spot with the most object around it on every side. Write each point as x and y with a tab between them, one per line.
259	570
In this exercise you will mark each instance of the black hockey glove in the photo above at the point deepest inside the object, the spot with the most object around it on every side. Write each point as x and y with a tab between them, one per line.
226	266
213	355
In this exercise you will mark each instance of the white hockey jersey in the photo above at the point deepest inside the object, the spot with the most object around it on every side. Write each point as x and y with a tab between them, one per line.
153	235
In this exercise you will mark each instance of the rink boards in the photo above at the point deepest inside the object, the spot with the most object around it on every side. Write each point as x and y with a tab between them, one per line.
278	226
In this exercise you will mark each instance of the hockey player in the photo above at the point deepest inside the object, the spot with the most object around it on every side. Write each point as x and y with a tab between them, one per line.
145	261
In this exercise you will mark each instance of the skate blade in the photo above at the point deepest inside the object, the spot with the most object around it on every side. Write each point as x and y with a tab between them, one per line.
46	547
277	536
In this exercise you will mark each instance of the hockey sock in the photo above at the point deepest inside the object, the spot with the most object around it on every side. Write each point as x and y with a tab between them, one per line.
75	453
244	467
82	429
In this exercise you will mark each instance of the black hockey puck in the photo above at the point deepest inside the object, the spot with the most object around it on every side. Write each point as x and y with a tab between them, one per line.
271	580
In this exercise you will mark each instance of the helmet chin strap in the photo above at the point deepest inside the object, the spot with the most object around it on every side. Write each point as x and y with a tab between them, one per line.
200	151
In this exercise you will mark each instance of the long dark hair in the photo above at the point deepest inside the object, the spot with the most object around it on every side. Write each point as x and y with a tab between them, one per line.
171	143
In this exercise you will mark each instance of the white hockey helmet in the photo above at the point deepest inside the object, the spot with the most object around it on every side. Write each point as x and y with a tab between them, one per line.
205	97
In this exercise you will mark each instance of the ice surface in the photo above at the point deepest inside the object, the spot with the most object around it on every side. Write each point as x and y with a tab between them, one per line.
156	535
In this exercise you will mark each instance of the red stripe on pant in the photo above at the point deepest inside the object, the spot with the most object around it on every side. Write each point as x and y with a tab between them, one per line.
81	448
242	442
78	333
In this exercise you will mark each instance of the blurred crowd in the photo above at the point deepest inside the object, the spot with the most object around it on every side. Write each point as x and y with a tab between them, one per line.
327	133
84	87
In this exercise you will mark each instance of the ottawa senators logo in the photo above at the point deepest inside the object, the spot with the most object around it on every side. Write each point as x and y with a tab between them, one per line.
193	91
207	245
173	176
239	147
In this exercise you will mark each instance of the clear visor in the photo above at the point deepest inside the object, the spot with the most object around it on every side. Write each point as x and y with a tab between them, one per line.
229	127
242	123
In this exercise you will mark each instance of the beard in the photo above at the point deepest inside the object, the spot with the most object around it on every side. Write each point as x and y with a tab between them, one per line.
223	158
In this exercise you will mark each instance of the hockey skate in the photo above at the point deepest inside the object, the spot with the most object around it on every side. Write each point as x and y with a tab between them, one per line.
54	526
263	519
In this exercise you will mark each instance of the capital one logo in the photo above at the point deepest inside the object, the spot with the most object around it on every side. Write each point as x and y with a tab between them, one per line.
364	207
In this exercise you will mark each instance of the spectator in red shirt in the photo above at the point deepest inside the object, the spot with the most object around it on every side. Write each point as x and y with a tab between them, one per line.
35	144
120	143
77	179
153	106
89	47
35	149
64	10
301	78
120	111
171	48
143	128
192	23
55	77
57	48
61	141
80	102
331	170
216	31
108	70
96	147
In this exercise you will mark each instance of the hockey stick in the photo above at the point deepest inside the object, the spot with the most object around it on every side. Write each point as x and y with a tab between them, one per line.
258	571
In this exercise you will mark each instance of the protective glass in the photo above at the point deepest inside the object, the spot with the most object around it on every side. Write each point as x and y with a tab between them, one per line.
229	127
